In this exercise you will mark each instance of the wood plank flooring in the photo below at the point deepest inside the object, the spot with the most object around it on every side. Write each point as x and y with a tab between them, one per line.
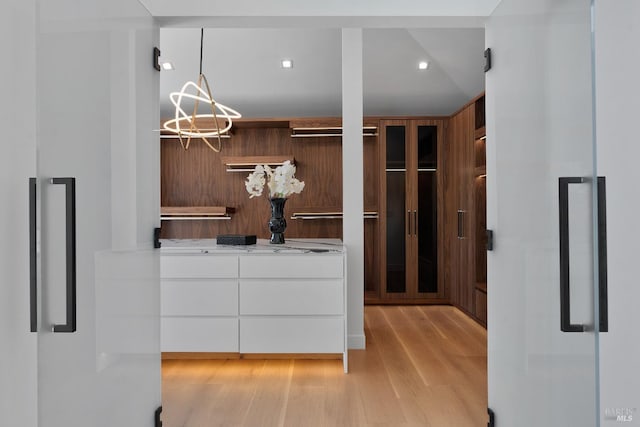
424	366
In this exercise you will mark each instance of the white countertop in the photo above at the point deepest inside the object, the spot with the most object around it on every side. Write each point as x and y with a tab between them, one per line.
291	246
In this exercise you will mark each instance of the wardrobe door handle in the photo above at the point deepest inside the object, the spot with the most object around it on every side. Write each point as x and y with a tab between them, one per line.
565	295
602	255
70	203
408	223
461	223
33	256
415	223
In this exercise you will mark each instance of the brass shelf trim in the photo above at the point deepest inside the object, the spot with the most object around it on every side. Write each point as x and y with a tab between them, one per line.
191	213
194	218
329	215
323	132
248	163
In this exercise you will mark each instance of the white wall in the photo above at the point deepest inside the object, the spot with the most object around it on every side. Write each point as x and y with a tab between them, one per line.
17	164
618	108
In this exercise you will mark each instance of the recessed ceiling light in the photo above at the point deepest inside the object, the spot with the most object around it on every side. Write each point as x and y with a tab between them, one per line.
287	63
423	65
167	66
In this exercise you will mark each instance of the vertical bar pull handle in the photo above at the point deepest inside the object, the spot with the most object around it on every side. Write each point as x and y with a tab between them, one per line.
565	297
33	256
408	223
602	255
415	223
70	203
459	224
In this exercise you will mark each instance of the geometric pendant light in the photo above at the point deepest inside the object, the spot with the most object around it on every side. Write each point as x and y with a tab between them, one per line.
186	125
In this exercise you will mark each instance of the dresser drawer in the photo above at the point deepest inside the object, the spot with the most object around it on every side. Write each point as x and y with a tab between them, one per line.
199	334
199	297
291	297
291	266
291	335
198	266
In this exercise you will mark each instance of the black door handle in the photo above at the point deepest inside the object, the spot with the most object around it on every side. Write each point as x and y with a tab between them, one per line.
565	297
33	256
602	255
70	203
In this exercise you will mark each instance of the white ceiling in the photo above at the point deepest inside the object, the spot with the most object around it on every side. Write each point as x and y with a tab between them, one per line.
243	68
331	8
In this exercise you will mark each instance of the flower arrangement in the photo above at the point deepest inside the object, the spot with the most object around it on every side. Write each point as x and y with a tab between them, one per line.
281	182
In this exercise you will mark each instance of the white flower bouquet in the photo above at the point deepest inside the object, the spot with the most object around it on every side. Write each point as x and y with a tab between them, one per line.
280	181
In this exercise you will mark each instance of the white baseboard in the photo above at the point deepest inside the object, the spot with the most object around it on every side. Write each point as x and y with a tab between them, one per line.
356	342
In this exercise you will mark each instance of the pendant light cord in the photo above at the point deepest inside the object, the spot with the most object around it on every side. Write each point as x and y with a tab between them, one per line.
201	43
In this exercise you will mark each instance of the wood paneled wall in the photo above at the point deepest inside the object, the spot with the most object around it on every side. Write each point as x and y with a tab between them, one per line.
197	177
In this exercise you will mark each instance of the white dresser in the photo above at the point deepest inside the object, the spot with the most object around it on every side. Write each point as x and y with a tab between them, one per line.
256	299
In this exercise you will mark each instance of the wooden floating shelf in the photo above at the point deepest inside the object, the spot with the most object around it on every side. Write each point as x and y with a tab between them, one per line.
260	123
481	133
319	132
481	171
328	215
248	163
186	213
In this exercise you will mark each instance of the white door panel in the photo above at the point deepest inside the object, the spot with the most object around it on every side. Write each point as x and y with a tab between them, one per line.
539	129
96	109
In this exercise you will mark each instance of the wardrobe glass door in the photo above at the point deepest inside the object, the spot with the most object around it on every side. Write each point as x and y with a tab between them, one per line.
426	214
397	215
544	313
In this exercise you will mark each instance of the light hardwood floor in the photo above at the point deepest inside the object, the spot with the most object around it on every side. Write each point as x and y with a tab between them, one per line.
423	366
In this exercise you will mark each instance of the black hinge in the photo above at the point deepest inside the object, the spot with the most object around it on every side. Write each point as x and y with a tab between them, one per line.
156	58
492	418
157	417
487	59
156	238
489	240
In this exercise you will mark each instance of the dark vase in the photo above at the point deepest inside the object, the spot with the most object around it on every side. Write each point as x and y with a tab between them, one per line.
277	223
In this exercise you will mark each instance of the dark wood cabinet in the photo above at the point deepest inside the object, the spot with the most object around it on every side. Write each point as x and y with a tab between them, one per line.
411	210
480	210
460	208
465	201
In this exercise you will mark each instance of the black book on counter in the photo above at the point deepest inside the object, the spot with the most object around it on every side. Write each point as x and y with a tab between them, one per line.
236	239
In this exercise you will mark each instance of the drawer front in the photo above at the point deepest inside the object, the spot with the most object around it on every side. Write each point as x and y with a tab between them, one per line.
198	266
291	335
291	266
199	334
291	297
199	297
